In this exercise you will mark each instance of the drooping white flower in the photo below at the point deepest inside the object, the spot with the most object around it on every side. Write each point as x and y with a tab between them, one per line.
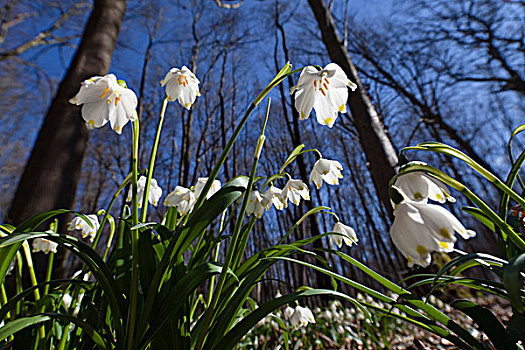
155	192
255	204
66	300
288	312
106	100
301	317
327	170
418	186
78	223
201	182
420	228
181	85
181	197
293	191
273	195
348	235
324	90
44	245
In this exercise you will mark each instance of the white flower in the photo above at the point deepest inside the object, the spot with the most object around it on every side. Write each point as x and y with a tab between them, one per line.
325	91
327	170
44	245
78	223
273	195
201	182
293	191
155	192
255	204
348	235
105	100
420	228
418	186
301	317
182	85
181	197
288	312
66	300
11	267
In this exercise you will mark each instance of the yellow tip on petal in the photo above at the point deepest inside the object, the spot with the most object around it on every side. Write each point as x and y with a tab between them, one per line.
418	196
118	128
421	250
445	233
443	245
91	123
328	120
439	196
187	105
342	108
302	115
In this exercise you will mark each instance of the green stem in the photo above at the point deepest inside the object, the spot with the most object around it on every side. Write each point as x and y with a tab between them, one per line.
34	282
152	161
235	238
164	263
506	230
132	313
110	238
48	272
452	152
3	299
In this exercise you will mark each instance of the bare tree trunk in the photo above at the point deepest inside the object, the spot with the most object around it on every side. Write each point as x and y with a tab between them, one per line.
52	172
379	151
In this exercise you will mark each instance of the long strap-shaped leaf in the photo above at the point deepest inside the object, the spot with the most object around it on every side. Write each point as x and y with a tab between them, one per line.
17	325
91	259
15	299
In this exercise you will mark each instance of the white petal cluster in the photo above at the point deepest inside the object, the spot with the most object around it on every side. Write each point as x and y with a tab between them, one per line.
106	100
181	197
44	245
293	191
155	192
324	90
420	228
181	85
201	182
255	204
273	195
301	317
78	223
348	235
327	170
419	186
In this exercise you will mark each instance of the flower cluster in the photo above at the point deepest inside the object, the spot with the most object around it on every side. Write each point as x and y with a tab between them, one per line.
323	90
184	198
299	316
420	228
105	99
44	245
108	99
80	224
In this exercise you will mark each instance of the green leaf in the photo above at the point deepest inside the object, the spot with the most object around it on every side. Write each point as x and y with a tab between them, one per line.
513	281
480	216
147	261
487	322
12	327
7	254
178	296
15	299
86	328
91	259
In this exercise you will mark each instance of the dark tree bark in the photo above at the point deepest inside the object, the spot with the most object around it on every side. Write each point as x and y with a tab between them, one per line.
379	151
50	177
